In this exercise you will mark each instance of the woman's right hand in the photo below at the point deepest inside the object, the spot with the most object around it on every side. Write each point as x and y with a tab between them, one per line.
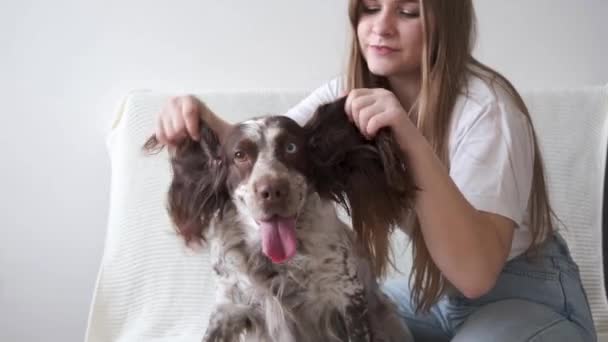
179	118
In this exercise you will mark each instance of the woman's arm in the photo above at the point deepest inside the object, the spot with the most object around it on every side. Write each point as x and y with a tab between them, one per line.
470	247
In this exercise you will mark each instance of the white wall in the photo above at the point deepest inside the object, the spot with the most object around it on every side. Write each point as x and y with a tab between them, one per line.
545	43
65	64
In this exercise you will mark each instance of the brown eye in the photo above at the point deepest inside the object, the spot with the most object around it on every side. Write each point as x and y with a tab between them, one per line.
291	148
240	156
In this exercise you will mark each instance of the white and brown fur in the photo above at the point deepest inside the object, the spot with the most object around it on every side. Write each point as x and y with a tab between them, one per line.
328	290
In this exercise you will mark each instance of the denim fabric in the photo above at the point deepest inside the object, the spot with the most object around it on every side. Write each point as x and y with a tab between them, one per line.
534	299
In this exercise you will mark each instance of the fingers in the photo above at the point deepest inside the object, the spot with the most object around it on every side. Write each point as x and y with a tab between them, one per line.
179	117
190	110
170	133
376	122
178	128
366	115
372	109
361	105
352	95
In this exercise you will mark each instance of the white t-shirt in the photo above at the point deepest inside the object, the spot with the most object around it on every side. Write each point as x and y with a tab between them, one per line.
490	149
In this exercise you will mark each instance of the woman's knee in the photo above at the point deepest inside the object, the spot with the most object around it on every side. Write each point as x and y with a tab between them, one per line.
519	321
563	330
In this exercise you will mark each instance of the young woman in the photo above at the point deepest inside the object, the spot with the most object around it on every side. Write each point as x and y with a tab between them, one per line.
488	264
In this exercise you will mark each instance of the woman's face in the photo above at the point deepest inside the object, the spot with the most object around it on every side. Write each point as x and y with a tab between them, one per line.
390	36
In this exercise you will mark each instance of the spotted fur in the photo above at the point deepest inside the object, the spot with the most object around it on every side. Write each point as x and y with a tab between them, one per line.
328	290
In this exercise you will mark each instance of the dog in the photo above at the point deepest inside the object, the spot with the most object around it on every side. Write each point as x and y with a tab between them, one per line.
263	198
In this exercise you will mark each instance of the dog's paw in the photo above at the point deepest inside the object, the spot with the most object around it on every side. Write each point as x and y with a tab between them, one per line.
227	326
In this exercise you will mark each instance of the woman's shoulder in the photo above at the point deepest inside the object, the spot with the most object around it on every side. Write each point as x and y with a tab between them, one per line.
327	92
483	90
485	95
488	112
487	108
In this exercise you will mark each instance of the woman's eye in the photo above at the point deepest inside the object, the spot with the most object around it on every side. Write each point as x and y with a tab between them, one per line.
291	148
370	9
410	14
410	11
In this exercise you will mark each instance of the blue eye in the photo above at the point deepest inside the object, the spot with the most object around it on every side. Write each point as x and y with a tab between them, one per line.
291	148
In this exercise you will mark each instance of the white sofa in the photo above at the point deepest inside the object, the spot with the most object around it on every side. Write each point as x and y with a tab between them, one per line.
151	288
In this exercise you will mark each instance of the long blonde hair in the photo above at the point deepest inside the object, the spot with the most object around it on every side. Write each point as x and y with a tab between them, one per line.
447	62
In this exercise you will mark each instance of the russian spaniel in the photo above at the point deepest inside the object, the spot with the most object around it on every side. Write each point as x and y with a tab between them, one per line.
263	199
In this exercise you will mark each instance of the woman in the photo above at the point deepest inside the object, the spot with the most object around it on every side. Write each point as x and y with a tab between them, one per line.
488	264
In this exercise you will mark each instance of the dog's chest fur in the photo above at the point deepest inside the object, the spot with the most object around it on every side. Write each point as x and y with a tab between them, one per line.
309	292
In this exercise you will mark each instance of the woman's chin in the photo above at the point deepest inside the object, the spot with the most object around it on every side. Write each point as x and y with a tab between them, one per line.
383	69
390	70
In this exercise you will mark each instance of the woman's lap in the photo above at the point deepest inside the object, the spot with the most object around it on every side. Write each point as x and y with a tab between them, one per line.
514	320
538	300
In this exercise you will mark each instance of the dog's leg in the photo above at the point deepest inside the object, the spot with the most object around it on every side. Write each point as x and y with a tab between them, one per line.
229	321
385	322
357	320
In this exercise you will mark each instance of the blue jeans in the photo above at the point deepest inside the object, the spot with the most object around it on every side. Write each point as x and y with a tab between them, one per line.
539	299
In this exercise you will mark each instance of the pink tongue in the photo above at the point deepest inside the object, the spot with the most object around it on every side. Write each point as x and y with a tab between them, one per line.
279	238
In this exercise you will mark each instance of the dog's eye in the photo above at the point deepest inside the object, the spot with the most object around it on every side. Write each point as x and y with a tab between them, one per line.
291	148
239	156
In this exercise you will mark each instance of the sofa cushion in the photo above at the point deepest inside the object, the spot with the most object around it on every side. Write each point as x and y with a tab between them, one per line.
572	127
150	287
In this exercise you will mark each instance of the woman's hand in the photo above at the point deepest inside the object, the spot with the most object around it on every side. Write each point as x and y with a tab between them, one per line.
372	109
179	118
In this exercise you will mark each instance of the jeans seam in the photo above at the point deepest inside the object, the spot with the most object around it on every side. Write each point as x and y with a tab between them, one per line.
533	274
562	288
543	329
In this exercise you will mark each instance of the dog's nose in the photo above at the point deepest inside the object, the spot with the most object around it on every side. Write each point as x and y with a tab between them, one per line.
272	189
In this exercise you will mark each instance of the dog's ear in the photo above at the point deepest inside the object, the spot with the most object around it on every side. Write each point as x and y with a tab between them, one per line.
369	178
198	189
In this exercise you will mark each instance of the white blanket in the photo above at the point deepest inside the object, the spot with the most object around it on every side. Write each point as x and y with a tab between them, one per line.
151	288
572	126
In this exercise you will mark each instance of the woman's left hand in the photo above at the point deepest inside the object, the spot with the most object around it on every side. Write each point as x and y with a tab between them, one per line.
372	109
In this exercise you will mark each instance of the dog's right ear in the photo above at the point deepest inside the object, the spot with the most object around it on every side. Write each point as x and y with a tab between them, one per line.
198	190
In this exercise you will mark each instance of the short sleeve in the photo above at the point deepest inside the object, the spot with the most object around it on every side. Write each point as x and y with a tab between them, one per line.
330	91
491	159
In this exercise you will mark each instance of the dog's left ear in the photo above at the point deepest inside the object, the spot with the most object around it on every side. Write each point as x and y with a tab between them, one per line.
369	178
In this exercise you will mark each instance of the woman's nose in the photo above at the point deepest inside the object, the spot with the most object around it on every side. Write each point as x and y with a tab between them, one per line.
384	24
